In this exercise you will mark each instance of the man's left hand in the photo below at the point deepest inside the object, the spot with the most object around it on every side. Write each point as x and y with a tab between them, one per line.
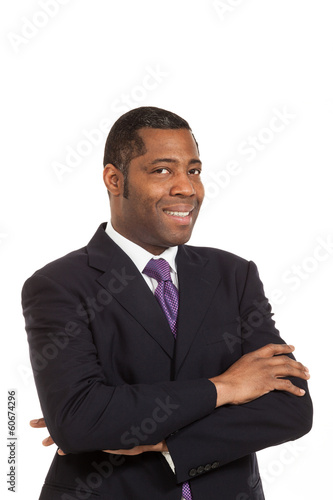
137	450
39	423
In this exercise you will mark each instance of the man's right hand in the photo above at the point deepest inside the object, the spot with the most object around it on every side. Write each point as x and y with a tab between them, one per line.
258	373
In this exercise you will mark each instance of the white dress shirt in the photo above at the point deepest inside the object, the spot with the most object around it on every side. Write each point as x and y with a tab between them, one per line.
141	257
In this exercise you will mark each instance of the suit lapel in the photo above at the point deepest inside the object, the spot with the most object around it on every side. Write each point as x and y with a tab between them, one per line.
125	283
121	278
197	284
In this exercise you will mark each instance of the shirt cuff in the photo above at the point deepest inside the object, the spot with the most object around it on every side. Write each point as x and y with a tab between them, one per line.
168	458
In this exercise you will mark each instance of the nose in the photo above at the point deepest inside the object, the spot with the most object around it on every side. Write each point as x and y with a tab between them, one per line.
182	185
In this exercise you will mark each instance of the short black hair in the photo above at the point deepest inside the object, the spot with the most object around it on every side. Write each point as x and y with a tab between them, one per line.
124	143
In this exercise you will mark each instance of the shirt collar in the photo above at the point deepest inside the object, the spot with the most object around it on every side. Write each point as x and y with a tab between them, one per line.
139	255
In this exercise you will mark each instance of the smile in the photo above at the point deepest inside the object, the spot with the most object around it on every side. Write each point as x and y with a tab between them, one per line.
178	214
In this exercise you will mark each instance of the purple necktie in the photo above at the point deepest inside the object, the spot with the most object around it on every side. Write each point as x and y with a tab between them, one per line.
167	296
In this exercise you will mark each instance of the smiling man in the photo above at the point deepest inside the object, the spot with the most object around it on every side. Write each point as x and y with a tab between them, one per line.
162	371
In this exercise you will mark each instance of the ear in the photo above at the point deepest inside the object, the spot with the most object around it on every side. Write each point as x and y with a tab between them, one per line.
113	179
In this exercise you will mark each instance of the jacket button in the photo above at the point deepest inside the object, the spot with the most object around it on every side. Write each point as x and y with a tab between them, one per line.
215	465
208	467
200	469
193	472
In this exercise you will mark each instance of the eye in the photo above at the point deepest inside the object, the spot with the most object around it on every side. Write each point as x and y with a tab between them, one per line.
195	171
161	170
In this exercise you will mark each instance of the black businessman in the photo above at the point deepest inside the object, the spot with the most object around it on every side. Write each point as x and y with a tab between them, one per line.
163	371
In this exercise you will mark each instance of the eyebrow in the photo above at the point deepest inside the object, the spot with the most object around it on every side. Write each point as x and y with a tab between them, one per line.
171	160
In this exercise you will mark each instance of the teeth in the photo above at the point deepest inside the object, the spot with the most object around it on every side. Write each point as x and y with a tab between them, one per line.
178	214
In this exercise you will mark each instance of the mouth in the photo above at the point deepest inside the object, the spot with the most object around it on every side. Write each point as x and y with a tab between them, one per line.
181	216
177	214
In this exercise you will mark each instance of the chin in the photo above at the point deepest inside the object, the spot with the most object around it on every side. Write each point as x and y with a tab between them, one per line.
180	240
172	238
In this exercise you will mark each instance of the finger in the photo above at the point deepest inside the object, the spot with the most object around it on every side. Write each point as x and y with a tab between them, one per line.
137	450
290	371
47	441
60	452
38	423
286	363
270	350
288	386
120	452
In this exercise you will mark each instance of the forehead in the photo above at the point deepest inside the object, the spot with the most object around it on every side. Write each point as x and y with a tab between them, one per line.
168	143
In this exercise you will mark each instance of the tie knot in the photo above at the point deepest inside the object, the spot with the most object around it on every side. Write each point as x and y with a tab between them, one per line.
158	269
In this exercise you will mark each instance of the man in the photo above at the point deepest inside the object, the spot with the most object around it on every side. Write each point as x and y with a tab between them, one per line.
179	389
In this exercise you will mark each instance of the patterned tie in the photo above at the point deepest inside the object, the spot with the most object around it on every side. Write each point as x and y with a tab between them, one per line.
167	296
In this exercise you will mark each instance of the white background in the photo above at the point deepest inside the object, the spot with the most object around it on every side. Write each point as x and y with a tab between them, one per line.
228	72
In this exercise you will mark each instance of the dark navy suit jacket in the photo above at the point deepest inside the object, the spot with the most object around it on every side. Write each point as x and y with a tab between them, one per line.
110	375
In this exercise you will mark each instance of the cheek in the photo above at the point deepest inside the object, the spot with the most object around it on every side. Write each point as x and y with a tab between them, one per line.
145	210
200	191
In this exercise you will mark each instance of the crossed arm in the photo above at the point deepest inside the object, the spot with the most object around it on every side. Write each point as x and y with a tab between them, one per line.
252	376
262	387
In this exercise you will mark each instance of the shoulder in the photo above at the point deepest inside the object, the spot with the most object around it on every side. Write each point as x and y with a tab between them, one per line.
73	268
226	267
224	264
216	256
62	271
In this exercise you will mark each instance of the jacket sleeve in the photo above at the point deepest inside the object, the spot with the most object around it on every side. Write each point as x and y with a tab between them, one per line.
231	432
82	412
